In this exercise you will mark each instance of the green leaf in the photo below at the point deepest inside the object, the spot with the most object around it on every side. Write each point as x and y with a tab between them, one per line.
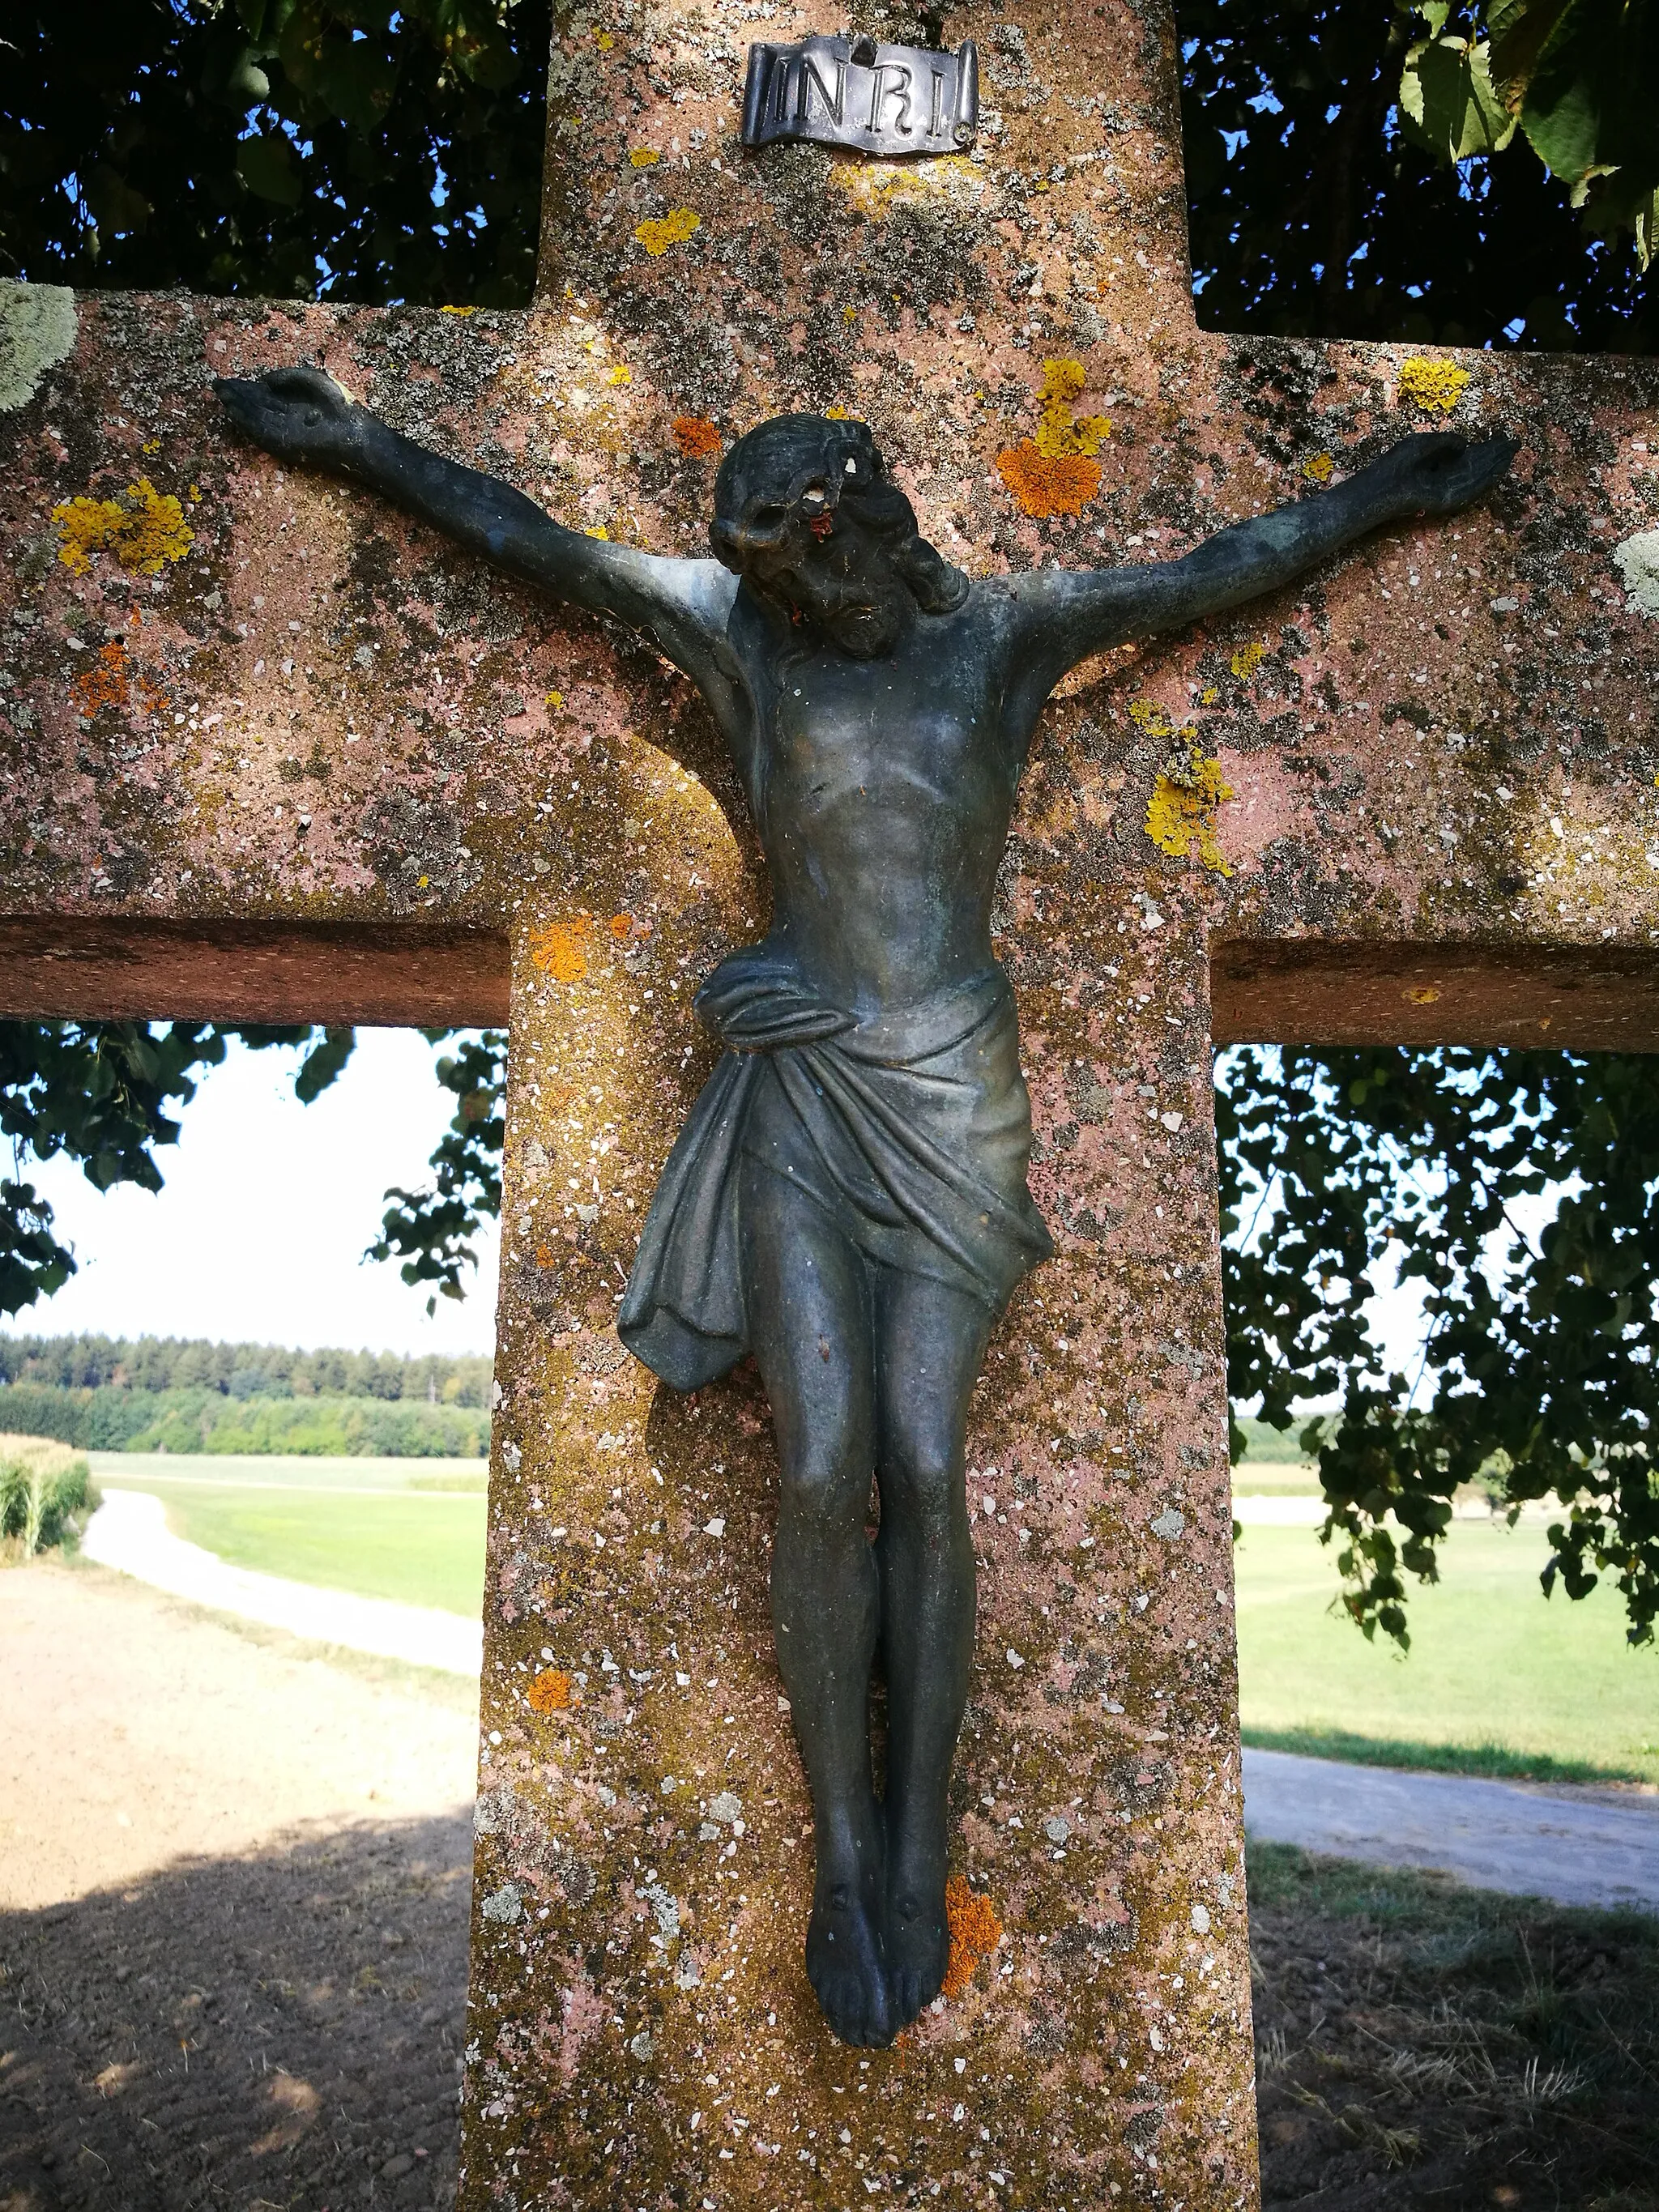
1447	101
265	166
322	1065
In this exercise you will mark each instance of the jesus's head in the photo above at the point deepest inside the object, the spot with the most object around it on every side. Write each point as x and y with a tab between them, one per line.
804	510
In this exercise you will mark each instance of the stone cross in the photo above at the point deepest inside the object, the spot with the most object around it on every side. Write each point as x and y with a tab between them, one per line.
271	753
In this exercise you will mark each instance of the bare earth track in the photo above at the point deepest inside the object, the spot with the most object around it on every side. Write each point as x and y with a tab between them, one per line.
234	1889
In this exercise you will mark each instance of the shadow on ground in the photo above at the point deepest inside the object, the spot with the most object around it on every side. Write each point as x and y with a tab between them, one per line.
1425	2047
280	2030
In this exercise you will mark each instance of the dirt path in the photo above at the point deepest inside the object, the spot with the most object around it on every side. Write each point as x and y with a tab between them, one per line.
1575	1847
233	1885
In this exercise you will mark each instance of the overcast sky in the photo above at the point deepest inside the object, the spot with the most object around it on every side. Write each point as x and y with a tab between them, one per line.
258	1234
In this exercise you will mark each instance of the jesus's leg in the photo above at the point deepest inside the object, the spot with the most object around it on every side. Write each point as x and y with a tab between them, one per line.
809	1305
930	1342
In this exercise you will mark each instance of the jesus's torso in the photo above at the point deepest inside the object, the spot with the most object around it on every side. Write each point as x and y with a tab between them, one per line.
883	791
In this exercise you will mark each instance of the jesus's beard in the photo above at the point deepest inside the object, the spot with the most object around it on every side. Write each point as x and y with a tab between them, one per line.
865	612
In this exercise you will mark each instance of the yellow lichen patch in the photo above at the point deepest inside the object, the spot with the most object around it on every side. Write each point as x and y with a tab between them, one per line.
657	235
1146	714
560	950
643	156
555	699
1245	662
1056	473
1420	995
1042	484
603	41
553	1690
975	1930
454	311
874	191
837	415
1059	431
596	530
620	374
1320	469
1180	813
142	529
1432	383
697	437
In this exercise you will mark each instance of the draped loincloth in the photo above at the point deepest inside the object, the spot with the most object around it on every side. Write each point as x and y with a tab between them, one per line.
912	1132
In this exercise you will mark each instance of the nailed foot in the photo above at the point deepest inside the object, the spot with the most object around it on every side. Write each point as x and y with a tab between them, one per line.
844	1962
917	1933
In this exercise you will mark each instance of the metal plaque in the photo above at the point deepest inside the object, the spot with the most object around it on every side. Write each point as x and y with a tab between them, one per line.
857	93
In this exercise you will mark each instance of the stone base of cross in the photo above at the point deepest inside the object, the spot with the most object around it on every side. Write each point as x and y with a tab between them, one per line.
272	753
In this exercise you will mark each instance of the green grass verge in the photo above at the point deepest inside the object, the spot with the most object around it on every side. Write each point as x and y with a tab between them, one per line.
1420	2043
1495	1671
422	1550
1498	1762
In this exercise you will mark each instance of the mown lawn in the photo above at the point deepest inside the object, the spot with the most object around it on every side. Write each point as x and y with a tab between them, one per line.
1498	1678
425	1548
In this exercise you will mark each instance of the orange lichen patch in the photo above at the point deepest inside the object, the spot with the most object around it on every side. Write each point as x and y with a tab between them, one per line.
622	927
1320	469
1245	662
1181	814
976	1931
561	949
657	235
1434	386
143	529
1041	484
695	436
551	1692
112	682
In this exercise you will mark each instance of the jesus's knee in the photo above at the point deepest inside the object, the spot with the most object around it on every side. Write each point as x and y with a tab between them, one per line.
922	1476
825	1478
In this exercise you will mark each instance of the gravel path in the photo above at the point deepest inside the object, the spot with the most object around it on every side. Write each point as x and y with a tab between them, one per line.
130	1533
1579	1847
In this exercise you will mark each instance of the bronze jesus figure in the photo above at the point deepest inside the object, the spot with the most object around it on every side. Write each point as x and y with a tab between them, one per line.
848	1201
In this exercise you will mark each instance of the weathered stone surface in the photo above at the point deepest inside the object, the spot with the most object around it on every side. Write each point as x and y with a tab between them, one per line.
1439	761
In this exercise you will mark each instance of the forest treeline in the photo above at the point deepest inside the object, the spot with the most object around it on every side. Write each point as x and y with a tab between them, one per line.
243	1371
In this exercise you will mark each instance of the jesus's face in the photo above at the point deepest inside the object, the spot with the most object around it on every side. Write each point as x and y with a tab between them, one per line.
784	524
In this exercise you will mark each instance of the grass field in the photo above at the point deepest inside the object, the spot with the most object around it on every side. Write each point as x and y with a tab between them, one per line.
1498	1680
423	1548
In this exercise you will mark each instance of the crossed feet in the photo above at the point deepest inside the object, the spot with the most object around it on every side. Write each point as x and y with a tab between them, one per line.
878	1942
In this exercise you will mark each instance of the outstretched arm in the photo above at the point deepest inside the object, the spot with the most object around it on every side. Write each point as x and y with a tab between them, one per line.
302	416
1071	613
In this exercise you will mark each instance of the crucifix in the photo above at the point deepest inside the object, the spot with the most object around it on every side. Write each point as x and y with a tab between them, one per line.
275	754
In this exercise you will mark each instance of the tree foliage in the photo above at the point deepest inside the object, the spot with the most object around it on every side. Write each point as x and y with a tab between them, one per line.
1577	79
103	1093
1316	209
353	150
1521	1190
428	1229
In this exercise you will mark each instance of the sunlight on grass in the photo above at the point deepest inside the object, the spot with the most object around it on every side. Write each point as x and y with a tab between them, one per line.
423	1549
1496	1673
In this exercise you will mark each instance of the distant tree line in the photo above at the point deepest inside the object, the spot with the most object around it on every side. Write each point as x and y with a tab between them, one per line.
111	1418
152	1363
